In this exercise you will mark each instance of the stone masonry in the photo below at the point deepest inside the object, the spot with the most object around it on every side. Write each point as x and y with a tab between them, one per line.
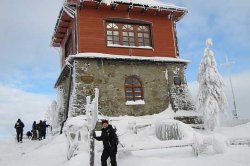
109	76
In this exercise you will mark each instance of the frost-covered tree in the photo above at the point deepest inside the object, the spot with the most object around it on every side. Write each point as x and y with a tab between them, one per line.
211	99
51	115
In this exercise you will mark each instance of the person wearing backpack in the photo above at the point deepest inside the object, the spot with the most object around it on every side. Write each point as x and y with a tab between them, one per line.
110	141
19	130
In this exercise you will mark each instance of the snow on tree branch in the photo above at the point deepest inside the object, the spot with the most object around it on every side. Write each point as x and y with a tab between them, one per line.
210	99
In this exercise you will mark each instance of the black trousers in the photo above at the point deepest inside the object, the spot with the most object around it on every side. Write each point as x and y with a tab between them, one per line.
19	136
106	153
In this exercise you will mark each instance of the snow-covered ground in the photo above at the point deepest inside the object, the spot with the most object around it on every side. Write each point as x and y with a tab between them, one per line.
53	152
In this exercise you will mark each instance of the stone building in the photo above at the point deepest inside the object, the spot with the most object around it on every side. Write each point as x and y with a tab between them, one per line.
127	49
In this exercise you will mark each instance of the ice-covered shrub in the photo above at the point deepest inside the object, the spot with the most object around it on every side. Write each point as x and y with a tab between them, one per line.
172	130
217	142
77	135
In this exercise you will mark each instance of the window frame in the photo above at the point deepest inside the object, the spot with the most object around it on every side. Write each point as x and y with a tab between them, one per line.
135	24
135	94
113	35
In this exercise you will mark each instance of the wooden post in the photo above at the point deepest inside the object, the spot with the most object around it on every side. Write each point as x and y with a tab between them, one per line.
93	109
92	149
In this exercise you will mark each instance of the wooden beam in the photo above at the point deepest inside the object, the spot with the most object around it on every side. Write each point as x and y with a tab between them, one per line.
64	27
98	4
157	12
130	7
113	6
65	21
144	9
61	29
170	16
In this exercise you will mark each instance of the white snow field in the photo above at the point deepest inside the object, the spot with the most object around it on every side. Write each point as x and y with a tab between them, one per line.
53	150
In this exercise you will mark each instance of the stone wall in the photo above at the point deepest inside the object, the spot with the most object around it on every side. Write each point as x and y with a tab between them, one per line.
109	76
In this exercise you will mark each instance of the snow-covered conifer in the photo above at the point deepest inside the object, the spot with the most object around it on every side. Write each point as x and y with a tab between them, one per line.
211	99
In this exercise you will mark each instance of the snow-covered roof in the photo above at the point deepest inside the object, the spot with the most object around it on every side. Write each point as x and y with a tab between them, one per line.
149	3
126	57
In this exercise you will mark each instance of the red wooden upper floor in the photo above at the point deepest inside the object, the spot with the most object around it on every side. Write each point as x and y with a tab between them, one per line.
118	28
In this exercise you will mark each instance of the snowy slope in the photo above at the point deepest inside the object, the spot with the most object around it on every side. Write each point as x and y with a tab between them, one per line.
53	152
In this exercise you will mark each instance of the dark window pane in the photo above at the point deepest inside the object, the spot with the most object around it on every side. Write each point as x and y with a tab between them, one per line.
116	38
177	80
129	99
129	94
131	39
109	38
147	41
139	34
125	38
125	43
129	89
116	42
137	89
125	33
132	44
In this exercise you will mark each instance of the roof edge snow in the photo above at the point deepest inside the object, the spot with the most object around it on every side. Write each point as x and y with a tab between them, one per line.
149	3
126	57
90	55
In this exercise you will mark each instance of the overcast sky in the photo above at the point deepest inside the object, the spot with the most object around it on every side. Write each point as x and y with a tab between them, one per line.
29	67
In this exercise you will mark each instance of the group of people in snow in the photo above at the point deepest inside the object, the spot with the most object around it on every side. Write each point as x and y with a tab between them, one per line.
38	130
108	137
110	142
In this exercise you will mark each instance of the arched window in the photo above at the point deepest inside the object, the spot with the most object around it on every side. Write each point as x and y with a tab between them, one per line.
133	89
144	36
112	34
128	35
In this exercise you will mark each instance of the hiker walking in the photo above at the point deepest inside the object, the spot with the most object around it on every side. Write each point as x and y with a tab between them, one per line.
19	130
110	141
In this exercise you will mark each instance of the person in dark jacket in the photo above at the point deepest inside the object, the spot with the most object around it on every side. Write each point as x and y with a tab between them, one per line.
34	132
44	127
40	129
108	138
19	130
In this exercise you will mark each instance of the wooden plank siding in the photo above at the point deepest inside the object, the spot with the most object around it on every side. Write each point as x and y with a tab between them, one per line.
70	31
91	32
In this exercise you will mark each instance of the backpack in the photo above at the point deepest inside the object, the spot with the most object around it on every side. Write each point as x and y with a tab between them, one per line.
116	139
